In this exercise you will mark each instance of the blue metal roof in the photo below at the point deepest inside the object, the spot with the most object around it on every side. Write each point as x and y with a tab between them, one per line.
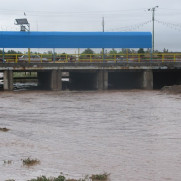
14	39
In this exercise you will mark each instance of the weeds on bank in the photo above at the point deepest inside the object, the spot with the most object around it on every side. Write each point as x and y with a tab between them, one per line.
59	178
10	180
30	162
43	178
98	177
103	177
4	129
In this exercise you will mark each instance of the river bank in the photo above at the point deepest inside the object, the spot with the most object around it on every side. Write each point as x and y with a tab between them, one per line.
175	89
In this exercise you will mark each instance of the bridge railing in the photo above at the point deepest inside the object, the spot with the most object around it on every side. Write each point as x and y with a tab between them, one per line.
106	58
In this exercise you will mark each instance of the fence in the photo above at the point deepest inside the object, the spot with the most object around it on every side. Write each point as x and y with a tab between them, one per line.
109	58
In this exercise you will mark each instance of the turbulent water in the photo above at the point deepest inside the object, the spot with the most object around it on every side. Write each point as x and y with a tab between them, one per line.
133	135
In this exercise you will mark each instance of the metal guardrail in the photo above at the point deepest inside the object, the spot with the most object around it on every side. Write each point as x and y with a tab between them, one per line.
109	58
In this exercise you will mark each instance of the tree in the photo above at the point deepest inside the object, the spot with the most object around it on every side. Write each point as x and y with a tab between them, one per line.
141	51
165	50
63	56
88	51
11	52
113	51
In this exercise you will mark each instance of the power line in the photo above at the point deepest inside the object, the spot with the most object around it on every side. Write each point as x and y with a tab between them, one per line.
176	27
132	27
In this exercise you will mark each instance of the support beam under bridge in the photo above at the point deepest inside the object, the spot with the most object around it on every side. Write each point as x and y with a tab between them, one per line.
89	80
50	80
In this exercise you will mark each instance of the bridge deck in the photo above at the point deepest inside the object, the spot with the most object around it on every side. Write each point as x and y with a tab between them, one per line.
90	66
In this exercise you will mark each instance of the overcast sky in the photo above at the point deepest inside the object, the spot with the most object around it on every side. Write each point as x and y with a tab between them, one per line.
86	15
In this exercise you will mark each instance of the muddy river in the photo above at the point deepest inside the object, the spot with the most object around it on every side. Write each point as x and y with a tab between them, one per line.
133	135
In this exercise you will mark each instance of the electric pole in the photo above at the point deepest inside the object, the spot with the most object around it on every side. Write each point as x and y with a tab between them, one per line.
103	24
103	31
153	30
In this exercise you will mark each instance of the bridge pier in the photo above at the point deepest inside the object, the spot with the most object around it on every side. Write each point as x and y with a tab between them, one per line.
56	80
8	80
102	80
147	80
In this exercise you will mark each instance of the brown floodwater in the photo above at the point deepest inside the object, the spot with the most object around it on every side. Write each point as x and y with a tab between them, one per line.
133	135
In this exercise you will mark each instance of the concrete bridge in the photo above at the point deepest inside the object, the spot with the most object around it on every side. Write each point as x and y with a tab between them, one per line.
140	73
98	76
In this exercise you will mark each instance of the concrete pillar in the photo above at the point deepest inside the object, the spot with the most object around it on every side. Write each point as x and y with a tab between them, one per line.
8	80
147	80
56	80
105	80
102	80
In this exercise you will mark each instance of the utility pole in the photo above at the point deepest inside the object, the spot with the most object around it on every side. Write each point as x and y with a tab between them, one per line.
103	31
153	30
103	24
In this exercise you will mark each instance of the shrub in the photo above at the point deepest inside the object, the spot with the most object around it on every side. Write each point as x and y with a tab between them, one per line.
30	162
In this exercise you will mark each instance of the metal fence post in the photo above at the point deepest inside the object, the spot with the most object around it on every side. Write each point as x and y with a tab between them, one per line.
90	58
162	57
41	58
66	58
16	58
139	58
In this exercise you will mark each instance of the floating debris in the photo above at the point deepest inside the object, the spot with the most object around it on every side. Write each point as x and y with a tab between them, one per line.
7	161
4	129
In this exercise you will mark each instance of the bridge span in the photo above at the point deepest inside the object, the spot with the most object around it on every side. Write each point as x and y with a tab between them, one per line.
92	71
97	76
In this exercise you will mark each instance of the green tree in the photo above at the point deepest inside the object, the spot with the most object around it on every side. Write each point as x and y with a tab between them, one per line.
88	51
141	51
11	52
63	56
165	50
113	51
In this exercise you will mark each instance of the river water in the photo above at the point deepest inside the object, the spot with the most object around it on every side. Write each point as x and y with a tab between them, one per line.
133	135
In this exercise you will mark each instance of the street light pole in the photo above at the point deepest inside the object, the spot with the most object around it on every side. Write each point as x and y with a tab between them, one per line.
103	31
153	30
24	26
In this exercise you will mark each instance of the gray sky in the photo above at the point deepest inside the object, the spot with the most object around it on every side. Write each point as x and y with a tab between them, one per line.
86	15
